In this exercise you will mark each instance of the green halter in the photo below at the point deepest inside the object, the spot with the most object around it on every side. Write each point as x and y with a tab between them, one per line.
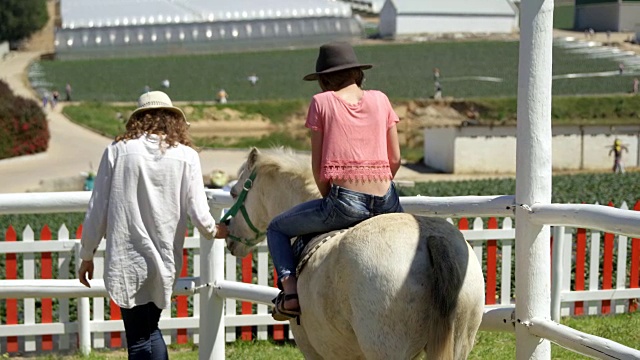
239	205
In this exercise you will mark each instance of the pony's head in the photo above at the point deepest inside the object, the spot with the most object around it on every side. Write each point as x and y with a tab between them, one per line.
269	182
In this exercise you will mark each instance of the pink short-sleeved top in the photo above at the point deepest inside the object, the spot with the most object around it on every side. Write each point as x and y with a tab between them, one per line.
355	135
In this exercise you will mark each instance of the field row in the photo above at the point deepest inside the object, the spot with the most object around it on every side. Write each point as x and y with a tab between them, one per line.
403	71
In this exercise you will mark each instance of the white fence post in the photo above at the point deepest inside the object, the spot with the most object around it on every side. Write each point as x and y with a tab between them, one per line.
208	304
505	290
567	256
557	269
620	306
64	261
211	344
196	298
533	174
84	316
28	271
230	304
263	279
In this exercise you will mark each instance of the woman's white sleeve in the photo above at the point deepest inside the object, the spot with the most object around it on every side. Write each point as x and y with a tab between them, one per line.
94	227
197	205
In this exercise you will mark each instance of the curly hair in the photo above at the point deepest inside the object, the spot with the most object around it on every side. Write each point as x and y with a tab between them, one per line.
175	129
335	81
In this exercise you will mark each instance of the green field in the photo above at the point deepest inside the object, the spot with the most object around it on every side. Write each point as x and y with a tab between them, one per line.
403	71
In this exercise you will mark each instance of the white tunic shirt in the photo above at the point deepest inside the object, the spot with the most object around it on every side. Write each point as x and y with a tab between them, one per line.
140	201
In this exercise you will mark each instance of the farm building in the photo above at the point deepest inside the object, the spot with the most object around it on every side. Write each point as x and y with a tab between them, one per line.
129	28
465	149
406	17
611	15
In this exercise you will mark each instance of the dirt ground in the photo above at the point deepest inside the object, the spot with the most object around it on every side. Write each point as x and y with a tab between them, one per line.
414	115
228	123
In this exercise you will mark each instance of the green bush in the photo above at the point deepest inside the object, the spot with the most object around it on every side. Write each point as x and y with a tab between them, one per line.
23	125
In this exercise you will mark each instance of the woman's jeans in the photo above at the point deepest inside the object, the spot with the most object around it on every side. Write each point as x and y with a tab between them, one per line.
144	339
340	209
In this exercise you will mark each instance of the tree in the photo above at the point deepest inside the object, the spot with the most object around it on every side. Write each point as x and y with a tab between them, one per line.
21	18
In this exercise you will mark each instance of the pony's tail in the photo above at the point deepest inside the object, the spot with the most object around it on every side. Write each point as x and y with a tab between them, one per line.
446	282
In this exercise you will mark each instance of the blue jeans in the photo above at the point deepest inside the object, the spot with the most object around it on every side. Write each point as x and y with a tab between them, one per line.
144	339
340	209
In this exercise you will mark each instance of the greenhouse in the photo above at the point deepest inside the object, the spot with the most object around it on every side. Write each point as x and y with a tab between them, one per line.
132	28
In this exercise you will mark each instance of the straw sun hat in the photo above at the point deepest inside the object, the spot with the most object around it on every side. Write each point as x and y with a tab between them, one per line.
333	57
156	100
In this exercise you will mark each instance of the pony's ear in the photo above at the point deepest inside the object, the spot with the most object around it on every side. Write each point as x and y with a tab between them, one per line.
253	157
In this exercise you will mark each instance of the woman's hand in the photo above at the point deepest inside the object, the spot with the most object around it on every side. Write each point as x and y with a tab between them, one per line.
86	271
221	231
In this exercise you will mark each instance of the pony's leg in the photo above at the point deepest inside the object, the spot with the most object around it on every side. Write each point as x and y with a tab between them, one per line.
302	341
318	342
385	343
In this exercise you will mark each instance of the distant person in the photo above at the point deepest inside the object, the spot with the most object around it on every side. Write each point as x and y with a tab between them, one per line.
222	96
165	84
148	186
636	83
253	79
146	89
592	33
438	90
617	149
46	98
436	74
620	68
608	36
55	96
67	91
89	182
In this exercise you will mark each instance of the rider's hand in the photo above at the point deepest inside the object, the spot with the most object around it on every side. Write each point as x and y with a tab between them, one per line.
86	270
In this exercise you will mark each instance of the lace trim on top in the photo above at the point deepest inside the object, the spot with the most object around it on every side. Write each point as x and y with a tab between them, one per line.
367	171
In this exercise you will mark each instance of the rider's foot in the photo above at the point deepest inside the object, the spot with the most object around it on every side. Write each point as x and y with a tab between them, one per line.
290	287
281	312
291	303
287	302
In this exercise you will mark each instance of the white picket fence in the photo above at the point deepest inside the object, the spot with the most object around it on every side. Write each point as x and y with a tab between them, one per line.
29	331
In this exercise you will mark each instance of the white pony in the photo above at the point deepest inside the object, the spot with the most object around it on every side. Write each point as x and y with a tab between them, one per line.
395	286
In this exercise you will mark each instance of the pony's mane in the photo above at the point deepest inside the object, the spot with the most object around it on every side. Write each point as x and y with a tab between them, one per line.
282	161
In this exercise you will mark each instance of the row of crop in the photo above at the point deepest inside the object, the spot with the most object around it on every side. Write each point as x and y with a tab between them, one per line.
23	125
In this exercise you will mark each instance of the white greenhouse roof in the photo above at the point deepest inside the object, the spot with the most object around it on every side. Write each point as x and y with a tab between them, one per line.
446	7
107	13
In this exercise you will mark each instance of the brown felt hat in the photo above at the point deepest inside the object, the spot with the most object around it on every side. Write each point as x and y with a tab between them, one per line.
334	57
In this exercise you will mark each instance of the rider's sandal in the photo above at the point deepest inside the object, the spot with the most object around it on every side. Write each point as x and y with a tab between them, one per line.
279	312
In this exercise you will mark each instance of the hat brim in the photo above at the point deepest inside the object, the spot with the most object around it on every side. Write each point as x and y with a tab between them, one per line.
314	76
174	109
